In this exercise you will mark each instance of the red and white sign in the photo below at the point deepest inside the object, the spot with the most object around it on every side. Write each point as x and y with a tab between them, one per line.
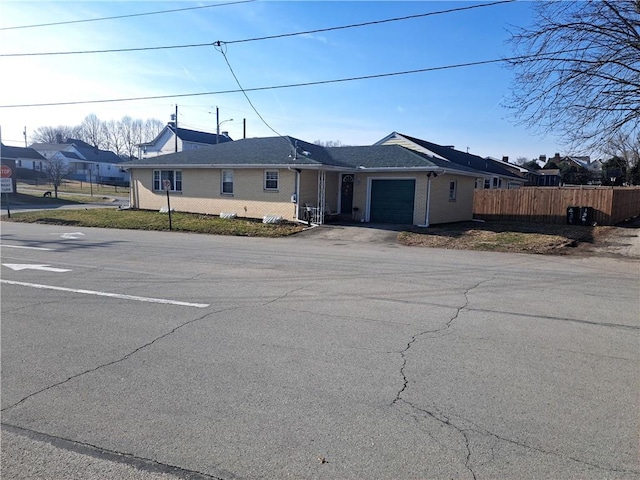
6	182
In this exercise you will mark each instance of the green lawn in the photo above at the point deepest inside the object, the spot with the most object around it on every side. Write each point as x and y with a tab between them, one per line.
151	220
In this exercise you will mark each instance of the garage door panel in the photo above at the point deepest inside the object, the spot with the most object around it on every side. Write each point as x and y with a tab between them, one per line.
392	201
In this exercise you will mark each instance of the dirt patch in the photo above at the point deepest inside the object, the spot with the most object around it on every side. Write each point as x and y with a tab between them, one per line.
516	237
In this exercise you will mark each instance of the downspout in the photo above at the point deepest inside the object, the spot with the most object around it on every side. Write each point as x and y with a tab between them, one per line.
295	198
426	218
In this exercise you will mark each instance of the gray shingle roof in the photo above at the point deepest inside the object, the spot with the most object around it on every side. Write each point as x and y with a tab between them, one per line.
245	152
70	155
199	137
463	159
93	154
9	152
280	151
391	156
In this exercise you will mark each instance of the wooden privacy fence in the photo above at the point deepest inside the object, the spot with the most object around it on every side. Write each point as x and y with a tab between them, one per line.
611	205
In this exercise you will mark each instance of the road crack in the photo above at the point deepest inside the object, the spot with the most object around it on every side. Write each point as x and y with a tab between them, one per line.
119	360
405	381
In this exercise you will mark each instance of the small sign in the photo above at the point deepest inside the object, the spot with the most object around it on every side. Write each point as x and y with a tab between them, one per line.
6	185
5	171
166	184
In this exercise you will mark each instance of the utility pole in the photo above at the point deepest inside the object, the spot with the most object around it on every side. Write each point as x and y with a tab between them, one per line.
176	122
25	137
244	128
217	124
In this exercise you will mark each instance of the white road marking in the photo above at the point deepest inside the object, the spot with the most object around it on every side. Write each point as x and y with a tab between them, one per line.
27	248
27	266
107	294
72	236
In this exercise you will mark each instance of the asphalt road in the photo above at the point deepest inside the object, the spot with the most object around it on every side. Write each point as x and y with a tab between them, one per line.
130	354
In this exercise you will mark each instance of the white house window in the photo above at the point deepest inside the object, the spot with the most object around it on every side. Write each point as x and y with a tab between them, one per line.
173	176
453	187
227	182
271	179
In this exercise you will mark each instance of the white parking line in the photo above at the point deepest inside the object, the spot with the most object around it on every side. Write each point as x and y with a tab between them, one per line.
106	294
27	248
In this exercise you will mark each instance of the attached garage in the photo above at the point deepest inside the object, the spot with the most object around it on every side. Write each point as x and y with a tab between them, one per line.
392	201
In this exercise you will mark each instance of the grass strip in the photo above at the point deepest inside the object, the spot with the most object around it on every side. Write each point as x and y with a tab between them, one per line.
152	220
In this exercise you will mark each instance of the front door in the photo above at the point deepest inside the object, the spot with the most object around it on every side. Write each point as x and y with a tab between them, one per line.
346	194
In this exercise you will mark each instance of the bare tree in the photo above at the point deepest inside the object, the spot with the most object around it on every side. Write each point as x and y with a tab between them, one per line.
626	149
577	70
53	134
56	171
131	132
113	137
92	130
151	129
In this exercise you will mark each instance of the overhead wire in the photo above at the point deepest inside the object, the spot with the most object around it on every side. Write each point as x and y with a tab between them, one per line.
221	47
255	39
69	22
292	85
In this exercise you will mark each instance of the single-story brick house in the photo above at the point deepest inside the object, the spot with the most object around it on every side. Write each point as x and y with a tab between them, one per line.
289	178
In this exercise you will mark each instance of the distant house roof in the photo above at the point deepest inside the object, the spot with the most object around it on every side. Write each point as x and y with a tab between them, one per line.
87	152
9	152
193	136
292	152
93	154
71	155
459	158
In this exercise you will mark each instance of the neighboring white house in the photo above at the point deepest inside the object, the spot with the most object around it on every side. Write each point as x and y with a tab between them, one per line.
25	158
86	162
168	141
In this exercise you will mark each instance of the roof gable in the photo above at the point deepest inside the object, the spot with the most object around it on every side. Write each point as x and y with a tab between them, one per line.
455	156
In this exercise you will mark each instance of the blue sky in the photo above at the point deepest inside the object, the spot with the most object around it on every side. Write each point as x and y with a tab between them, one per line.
459	106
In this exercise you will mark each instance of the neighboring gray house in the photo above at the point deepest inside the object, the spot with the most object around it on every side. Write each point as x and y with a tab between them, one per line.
23	162
87	163
172	139
296	180
494	175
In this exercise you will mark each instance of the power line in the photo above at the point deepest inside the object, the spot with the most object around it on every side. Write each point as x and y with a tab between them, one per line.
221	47
68	22
274	87
375	22
255	39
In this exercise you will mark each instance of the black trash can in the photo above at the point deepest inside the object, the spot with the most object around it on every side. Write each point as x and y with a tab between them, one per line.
573	215
586	216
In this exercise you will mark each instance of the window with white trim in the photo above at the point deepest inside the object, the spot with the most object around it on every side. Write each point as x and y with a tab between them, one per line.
453	187
227	182
271	179
173	176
